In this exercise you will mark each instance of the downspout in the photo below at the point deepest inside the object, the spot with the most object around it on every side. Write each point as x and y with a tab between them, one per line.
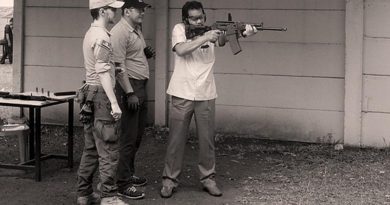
354	36
19	47
161	62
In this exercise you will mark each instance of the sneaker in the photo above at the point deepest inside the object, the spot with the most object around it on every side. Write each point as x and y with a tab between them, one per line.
138	181
131	193
115	200
167	191
91	199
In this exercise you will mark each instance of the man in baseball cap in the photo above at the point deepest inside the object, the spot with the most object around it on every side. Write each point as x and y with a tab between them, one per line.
94	4
130	53
101	123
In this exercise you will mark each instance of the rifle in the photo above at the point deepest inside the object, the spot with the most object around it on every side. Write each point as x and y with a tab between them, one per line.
232	31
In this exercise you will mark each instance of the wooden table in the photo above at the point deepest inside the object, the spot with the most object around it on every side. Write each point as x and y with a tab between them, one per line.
35	132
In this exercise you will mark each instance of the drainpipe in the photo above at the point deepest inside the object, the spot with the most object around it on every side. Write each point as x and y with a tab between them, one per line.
161	62
354	30
18	51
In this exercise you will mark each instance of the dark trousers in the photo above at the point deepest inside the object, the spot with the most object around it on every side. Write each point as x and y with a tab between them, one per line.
101	150
7	52
132	128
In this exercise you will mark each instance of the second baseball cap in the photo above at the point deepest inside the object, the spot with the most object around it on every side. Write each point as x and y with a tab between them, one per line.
94	4
136	4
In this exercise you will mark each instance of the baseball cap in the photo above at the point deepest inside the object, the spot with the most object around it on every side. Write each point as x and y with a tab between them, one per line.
136	4
94	4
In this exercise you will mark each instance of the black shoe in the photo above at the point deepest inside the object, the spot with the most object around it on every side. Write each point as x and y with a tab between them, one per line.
2	62
131	193
138	181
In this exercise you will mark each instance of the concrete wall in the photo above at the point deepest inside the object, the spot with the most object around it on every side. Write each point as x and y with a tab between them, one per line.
286	85
376	74
54	31
322	80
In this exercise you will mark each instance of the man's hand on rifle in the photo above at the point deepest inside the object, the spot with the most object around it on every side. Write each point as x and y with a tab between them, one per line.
212	35
249	30
132	102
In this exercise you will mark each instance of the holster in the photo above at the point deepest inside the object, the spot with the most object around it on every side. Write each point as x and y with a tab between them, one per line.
85	96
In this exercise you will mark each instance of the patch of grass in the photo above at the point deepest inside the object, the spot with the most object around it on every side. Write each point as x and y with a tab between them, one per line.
301	173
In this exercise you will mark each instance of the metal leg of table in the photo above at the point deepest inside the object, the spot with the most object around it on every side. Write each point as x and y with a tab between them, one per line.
70	132
38	175
31	136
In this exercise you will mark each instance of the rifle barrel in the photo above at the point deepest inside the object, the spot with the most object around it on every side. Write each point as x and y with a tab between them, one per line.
260	28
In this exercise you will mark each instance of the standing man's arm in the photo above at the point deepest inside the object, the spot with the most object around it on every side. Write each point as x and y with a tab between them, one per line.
105	79
188	47
102	52
183	47
119	43
132	99
123	79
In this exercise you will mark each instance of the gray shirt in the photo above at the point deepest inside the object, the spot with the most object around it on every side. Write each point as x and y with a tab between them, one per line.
97	52
128	45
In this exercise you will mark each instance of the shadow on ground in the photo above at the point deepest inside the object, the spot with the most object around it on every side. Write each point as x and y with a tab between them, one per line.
250	171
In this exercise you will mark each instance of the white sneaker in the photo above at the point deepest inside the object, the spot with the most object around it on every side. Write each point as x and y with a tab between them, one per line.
112	201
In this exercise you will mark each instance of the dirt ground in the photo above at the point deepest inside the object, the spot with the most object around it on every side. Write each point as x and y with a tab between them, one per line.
250	171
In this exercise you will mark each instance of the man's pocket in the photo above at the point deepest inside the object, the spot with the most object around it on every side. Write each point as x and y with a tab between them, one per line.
108	131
